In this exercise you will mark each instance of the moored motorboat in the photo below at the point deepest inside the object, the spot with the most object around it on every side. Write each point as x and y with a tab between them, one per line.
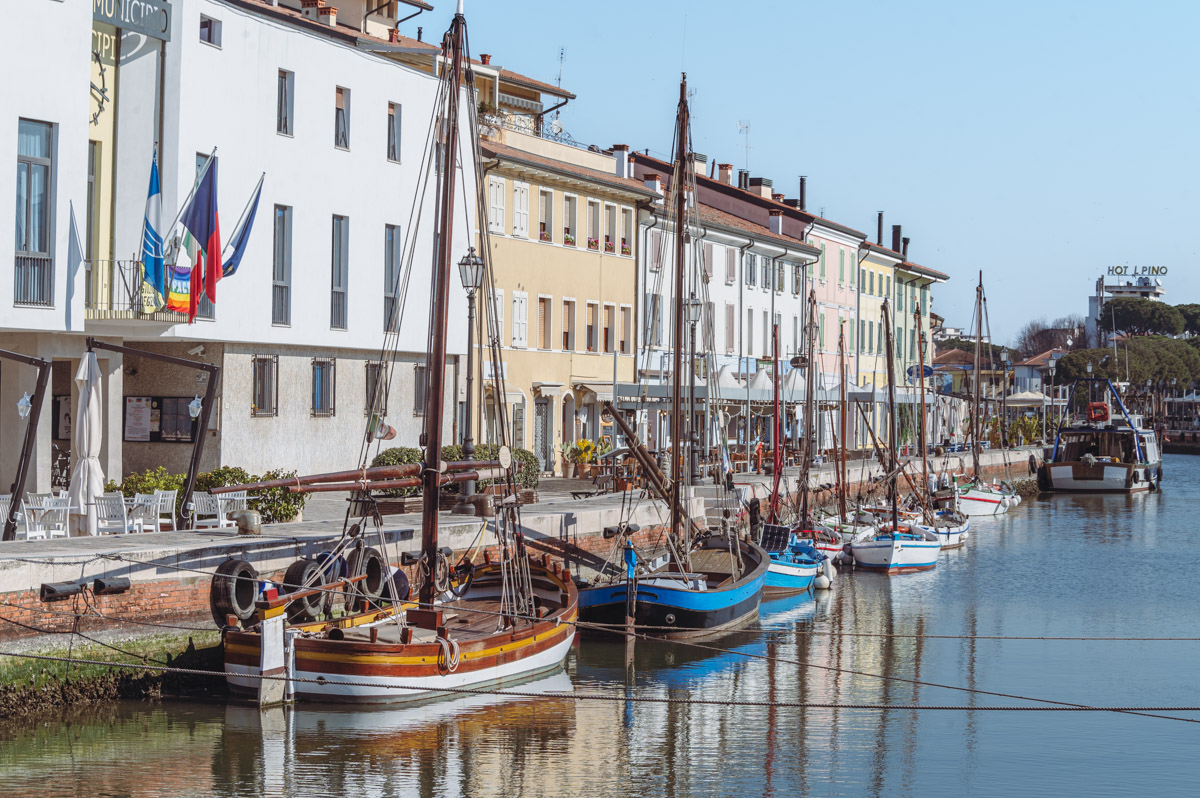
895	552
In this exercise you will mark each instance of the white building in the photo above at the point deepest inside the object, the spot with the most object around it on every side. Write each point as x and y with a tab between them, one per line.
1133	282
337	120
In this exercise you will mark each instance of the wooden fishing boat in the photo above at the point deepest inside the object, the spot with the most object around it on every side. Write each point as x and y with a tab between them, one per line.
468	624
795	563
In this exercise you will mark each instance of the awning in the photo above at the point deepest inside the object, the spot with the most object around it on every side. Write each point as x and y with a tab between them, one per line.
594	391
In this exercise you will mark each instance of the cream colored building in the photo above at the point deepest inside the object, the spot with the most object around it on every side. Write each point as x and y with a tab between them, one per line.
561	227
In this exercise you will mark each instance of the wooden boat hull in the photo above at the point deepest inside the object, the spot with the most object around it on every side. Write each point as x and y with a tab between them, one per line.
896	555
666	606
1076	477
360	671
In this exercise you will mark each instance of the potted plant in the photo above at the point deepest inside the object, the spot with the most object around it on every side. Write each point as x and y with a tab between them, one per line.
568	237
568	451
609	247
593	243
587	453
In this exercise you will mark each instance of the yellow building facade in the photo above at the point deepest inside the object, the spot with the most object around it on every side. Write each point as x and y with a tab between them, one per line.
561	231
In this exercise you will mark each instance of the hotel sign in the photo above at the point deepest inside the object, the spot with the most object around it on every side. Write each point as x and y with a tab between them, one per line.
1137	271
148	17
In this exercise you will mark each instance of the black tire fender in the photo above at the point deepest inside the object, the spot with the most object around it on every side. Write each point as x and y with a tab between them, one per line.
301	575
370	562
233	591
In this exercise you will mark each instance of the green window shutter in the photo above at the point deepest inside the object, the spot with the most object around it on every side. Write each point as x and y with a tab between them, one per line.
821	332
851	343
841	266
822	261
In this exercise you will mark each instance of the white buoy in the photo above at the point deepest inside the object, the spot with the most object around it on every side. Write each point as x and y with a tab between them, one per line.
821	582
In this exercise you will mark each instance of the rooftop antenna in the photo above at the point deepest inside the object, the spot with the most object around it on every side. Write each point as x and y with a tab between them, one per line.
562	53
744	130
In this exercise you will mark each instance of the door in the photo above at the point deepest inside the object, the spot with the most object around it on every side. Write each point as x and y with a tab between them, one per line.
541	434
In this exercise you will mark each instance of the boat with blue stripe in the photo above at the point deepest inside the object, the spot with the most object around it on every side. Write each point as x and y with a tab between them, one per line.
900	551
795	563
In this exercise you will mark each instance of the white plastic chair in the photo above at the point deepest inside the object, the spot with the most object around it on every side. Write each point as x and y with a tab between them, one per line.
53	520
22	521
166	508
145	509
111	517
207	505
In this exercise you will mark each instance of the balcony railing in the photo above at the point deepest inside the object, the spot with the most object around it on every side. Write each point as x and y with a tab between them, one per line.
281	304
337	310
529	125
115	291
34	280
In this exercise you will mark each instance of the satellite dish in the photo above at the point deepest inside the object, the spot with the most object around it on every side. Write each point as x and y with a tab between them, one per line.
505	457
556	127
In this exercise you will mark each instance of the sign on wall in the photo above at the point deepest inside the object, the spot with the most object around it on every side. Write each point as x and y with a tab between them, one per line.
148	17
1137	271
157	419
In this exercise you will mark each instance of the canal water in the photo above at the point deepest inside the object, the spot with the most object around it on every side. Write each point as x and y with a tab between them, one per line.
1067	566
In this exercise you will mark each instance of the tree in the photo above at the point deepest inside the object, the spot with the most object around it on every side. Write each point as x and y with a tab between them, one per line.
1140	317
1039	336
1154	358
1191	318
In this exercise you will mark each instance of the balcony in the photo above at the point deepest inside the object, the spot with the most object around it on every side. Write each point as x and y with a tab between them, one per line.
113	291
34	280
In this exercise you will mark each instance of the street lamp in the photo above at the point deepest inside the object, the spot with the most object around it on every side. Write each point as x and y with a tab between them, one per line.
693	308
24	405
1004	400
470	271
1051	366
195	406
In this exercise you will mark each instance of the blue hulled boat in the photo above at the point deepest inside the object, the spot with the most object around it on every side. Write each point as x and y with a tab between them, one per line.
795	563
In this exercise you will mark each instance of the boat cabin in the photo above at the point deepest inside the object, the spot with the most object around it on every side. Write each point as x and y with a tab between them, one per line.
1110	444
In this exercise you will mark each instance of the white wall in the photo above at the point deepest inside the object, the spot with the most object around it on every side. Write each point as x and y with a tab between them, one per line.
47	59
227	98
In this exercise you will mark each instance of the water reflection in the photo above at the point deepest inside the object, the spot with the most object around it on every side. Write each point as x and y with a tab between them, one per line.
1098	566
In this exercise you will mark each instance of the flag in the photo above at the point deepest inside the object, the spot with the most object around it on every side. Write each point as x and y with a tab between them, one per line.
241	235
179	276
153	269
200	219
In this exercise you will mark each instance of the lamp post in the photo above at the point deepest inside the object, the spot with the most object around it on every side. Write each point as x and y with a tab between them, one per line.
1004	400
1050	366
470	271
693	308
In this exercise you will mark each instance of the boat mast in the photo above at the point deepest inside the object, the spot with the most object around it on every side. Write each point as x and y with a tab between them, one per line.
894	467
435	364
809	387
924	443
841	464
777	454
975	420
680	186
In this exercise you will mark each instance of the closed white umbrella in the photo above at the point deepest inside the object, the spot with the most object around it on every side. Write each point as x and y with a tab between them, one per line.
87	478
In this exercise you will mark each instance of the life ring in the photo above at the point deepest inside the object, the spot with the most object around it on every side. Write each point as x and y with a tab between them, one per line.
1097	412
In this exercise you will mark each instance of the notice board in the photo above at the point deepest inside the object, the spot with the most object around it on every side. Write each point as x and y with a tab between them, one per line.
159	419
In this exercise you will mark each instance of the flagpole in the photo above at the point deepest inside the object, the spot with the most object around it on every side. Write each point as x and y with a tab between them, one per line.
237	228
168	239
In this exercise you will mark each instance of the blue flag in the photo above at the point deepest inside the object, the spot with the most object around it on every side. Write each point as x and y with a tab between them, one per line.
241	235
152	236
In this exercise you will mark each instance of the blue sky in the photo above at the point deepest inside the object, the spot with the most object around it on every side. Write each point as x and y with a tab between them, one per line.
1039	142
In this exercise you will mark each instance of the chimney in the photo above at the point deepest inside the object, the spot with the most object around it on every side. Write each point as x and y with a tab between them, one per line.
777	197
393	35
486	58
760	186
895	238
654	183
743	179
420	30
699	163
309	9
775	224
803	192
879	233
328	15
725	173
904	251
624	165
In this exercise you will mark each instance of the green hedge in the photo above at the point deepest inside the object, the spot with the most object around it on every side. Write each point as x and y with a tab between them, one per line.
275	504
528	471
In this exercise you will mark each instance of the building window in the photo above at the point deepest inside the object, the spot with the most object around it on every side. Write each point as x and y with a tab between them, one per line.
797	278
521	210
610	328
496	205
518	425
766	344
281	267
543	322
520	320
545	216
822	261
841	265
210	31
821	330
656	250
862	334
590	330
265	381
730	327
654	322
593	225
765	263
324	386
850	348
495	308
730	265
610	228
568	325
35	216
339	272
284	104
377	390
419	385
626	232
626	330
93	218
341	118
750	332
393	132
570	220
392	256
751	269
871	283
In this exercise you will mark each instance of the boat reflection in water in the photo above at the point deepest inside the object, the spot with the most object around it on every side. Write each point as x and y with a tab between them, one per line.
435	747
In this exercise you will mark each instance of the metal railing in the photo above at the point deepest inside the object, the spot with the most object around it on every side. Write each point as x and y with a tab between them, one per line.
281	304
530	126
115	292
34	280
337	310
